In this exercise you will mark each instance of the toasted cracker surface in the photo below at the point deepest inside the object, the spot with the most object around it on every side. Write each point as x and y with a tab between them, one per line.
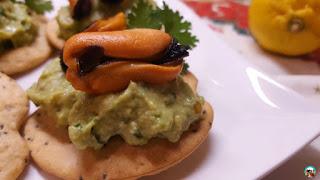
14	106
53	152
191	80
52	32
14	153
22	59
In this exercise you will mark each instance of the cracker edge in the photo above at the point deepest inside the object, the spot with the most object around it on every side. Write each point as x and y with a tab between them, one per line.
34	61
52	31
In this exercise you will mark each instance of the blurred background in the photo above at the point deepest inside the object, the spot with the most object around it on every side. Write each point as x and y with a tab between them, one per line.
301	72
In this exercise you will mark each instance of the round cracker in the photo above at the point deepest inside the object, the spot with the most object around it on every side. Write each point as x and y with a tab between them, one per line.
14	153
14	104
191	79
22	59
52	151
52	32
14	107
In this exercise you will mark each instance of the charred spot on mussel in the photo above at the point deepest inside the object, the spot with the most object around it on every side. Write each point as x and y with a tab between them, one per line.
82	9
174	62
174	51
92	57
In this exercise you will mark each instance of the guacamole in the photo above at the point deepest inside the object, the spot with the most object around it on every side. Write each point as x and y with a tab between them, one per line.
69	26
16	27
137	114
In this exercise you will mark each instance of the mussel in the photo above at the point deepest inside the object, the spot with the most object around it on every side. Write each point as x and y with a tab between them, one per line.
80	8
103	62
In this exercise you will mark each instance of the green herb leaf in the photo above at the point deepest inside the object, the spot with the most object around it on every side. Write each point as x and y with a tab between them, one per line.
145	15
142	16
175	25
185	68
39	6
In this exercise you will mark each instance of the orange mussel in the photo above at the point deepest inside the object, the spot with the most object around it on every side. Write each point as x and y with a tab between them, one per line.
117	22
103	62
80	8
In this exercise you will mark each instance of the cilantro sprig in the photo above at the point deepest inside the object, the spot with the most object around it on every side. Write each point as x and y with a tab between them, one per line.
39	6
145	15
175	25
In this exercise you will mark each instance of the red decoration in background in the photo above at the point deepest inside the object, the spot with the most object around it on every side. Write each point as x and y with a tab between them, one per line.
223	11
232	12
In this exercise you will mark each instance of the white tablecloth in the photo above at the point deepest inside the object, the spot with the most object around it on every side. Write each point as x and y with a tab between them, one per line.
300	75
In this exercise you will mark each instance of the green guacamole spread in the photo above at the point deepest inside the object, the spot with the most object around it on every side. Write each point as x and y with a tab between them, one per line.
69	26
137	114
16	27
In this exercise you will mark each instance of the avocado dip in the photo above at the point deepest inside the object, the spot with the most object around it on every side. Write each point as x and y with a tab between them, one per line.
16	27
137	114
100	10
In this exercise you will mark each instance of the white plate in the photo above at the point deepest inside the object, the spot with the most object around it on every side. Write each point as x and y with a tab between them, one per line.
258	122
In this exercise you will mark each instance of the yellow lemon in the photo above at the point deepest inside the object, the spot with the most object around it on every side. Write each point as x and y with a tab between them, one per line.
289	27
